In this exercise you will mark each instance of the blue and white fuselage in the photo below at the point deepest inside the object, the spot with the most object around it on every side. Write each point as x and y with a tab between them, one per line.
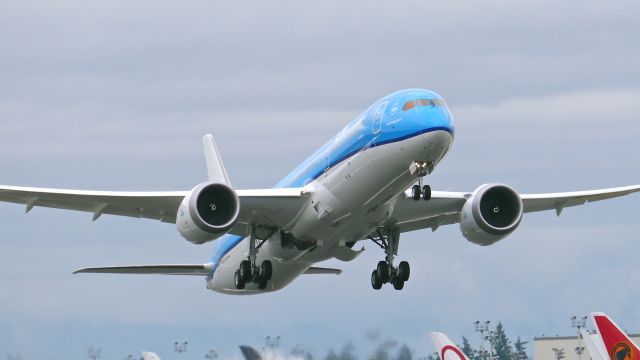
355	179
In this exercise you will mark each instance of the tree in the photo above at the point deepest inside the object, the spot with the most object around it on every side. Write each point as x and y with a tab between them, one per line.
520	350
467	349
347	353
501	343
405	353
434	356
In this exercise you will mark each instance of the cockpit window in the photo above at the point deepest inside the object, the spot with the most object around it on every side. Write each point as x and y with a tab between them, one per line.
409	105
437	102
422	102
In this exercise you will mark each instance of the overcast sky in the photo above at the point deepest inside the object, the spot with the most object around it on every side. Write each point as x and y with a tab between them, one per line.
116	96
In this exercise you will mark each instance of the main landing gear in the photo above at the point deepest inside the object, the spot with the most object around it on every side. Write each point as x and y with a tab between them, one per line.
249	271
386	272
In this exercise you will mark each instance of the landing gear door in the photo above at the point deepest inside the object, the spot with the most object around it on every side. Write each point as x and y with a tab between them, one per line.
376	124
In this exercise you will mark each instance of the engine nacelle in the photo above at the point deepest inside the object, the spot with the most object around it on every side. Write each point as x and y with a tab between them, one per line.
207	212
491	213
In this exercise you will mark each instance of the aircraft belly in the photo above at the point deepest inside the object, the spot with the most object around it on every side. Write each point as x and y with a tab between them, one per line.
348	203
283	272
355	197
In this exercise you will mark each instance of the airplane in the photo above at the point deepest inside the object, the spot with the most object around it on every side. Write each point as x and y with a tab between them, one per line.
594	345
250	353
365	183
447	350
147	355
609	342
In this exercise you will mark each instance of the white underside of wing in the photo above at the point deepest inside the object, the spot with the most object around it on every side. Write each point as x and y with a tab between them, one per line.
269	207
558	201
159	205
444	207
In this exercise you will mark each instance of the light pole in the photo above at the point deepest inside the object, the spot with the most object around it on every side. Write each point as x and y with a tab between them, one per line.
559	353
94	353
579	323
180	347
270	344
212	354
482	327
492	339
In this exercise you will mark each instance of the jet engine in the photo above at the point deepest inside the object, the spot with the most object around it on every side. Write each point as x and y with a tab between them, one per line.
491	213
207	212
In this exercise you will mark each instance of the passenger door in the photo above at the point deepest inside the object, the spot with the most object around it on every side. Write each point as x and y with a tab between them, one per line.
376	127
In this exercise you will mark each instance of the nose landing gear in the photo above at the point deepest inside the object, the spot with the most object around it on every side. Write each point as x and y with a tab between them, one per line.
386	272
422	169
249	271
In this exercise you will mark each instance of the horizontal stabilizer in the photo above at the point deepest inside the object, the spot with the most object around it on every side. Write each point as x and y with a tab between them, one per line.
203	269
318	270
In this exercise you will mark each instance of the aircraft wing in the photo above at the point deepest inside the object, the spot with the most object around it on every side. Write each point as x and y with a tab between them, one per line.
444	207
266	207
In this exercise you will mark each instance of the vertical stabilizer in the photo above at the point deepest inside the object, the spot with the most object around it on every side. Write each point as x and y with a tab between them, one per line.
594	345
250	353
446	348
617	345
215	168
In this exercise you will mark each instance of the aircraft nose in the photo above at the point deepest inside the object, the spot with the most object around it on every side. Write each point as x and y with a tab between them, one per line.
438	118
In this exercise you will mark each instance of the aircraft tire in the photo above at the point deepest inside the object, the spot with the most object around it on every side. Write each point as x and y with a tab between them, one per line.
376	283
415	192
383	271
239	280
267	269
245	270
404	270
262	282
426	192
398	283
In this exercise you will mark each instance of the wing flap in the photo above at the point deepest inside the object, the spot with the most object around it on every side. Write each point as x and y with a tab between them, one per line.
176	269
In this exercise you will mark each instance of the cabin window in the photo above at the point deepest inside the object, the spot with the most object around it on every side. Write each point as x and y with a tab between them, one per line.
409	105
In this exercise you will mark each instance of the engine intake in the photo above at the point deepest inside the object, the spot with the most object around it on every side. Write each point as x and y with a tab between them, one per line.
207	212
491	213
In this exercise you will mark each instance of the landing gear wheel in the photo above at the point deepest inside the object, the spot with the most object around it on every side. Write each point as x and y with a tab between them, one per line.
415	192
239	280
404	270
376	283
262	282
267	269
398	283
245	270
426	192
383	271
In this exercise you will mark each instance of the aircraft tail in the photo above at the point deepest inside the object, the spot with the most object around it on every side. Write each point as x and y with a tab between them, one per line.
146	355
446	348
250	353
594	345
617	344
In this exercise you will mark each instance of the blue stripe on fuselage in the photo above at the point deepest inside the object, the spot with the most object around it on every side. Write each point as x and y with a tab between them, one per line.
382	123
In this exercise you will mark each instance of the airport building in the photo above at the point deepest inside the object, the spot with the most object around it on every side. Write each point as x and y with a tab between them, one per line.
564	347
